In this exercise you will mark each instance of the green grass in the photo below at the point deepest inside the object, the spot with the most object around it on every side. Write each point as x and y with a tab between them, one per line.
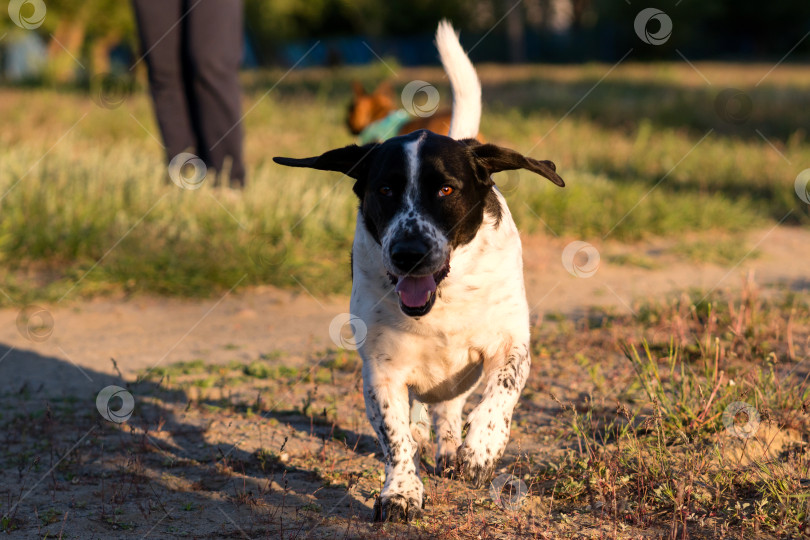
660	446
632	259
719	250
85	198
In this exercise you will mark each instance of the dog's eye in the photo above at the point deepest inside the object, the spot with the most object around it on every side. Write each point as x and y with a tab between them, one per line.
445	191
387	191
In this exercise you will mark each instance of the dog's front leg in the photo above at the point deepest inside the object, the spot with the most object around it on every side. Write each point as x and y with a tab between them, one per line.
388	411
491	419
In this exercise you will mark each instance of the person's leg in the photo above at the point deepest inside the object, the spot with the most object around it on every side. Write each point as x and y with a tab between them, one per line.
215	50
160	32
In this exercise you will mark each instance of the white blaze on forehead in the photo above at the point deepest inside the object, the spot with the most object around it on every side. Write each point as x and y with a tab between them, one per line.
409	220
411	150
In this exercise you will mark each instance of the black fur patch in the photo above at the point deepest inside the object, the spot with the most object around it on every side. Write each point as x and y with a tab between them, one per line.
381	174
493	207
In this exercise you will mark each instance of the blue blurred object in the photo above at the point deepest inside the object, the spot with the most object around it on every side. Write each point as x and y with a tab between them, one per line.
384	128
25	56
249	58
409	51
570	45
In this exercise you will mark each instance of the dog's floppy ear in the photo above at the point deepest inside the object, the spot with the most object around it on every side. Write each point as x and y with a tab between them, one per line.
350	160
496	158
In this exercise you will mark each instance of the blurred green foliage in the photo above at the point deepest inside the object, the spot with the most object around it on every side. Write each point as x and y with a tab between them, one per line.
96	18
723	29
269	23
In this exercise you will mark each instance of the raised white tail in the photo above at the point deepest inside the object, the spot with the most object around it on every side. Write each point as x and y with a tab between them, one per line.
464	81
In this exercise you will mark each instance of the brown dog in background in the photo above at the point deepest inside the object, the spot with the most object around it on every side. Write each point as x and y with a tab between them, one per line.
369	107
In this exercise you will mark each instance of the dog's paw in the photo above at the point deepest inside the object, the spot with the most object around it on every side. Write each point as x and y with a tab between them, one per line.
445	464
474	467
397	508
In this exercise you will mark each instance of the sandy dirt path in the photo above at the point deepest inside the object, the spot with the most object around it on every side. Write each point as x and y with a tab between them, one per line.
196	460
147	331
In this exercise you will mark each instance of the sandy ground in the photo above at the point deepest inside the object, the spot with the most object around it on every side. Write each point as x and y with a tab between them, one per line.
187	466
145	332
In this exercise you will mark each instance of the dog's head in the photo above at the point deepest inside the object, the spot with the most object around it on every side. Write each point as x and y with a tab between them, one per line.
422	195
368	107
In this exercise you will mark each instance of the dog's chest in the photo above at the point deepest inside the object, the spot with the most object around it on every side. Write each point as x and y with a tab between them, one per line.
436	361
480	312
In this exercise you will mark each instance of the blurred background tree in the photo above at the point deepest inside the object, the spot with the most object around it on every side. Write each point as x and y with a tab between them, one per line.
85	32
94	31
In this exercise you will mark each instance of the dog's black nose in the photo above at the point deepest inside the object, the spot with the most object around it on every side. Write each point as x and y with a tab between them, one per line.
408	255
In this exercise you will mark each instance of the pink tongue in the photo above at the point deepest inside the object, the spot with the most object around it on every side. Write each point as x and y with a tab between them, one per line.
415	291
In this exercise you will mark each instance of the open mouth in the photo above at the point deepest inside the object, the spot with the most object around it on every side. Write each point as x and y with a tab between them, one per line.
417	294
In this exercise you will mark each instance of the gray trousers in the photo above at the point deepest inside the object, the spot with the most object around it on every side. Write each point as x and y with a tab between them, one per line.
192	50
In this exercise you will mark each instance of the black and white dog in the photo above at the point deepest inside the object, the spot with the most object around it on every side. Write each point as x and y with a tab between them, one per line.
438	280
